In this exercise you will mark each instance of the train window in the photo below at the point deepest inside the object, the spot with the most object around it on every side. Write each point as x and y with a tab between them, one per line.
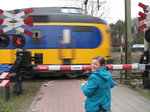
66	36
82	29
39	18
37	34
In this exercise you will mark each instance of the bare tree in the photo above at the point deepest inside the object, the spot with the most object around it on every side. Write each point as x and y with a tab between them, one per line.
118	36
97	8
93	7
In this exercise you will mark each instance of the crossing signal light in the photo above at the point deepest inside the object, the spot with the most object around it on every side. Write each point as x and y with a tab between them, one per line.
147	35
18	41
4	40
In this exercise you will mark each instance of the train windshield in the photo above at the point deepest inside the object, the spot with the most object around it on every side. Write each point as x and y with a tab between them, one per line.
72	10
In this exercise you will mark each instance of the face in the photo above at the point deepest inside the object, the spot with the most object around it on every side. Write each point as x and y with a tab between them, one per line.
95	65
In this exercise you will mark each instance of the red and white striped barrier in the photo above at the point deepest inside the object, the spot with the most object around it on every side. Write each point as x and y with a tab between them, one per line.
16	25
63	67
4	79
81	67
123	67
4	75
5	83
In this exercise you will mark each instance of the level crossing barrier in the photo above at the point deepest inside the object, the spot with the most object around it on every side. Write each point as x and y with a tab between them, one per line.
136	66
88	67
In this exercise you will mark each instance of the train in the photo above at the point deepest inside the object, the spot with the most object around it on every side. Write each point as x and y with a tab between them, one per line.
63	35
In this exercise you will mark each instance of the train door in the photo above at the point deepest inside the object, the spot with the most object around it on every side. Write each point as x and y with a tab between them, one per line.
67	47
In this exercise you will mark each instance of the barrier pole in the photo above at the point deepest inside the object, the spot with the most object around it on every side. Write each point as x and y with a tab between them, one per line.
7	96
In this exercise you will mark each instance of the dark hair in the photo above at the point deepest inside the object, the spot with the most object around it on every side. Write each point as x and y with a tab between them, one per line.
101	61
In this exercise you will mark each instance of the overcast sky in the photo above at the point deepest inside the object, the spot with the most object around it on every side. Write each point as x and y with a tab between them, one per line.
117	9
116	6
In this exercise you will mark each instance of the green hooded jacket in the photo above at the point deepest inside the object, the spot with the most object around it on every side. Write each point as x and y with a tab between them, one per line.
98	90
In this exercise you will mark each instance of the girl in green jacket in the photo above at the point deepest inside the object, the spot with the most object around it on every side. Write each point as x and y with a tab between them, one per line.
98	88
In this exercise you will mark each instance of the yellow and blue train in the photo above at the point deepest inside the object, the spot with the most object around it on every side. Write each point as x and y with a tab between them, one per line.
63	35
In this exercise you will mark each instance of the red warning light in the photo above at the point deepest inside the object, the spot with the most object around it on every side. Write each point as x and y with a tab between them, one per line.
18	41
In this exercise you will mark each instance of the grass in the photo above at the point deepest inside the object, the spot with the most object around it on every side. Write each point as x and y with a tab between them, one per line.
143	92
19	103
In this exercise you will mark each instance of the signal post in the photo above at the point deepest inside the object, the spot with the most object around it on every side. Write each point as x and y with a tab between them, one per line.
13	22
145	59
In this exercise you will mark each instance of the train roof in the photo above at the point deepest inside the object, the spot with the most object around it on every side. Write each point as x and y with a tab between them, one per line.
60	14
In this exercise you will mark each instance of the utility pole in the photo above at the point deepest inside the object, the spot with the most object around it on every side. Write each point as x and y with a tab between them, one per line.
85	4
98	4
128	36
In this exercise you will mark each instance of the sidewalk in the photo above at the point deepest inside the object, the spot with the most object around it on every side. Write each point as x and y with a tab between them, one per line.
127	100
66	96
